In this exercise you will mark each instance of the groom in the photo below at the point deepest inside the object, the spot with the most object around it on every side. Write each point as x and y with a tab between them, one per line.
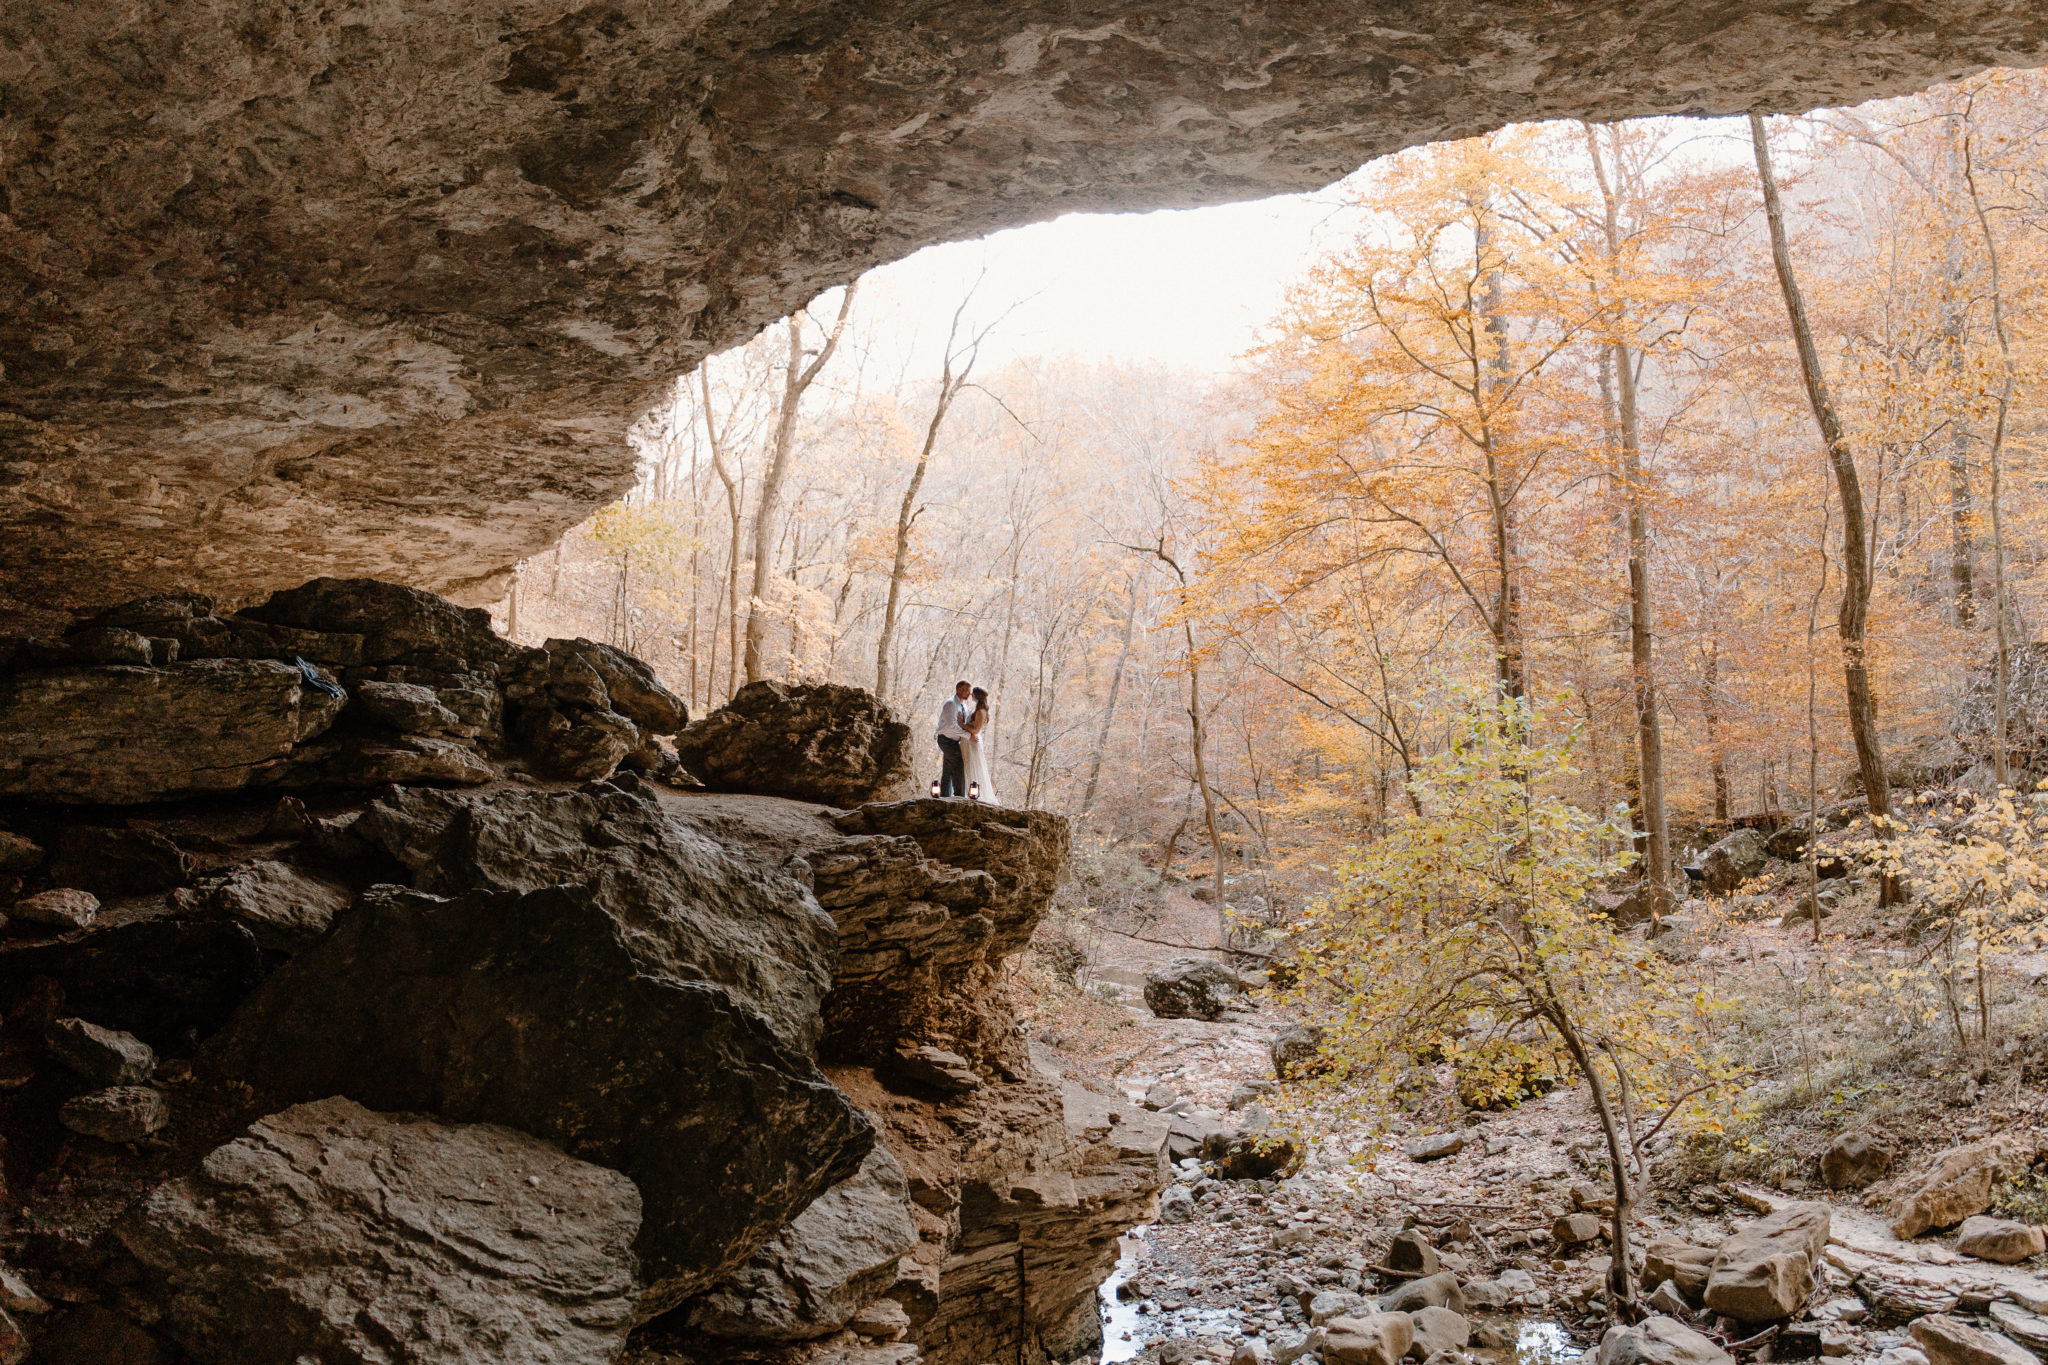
952	734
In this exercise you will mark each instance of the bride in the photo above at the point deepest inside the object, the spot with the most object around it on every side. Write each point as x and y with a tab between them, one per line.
976	757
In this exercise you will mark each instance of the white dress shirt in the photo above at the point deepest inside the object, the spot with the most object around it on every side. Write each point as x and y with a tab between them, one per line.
950	717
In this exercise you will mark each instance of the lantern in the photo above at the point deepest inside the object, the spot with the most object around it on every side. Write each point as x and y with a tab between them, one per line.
974	791
935	786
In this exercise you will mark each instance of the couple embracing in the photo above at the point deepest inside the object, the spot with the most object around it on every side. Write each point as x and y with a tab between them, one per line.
963	721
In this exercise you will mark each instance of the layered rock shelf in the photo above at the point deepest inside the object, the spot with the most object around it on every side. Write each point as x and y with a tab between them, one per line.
378	988
380	290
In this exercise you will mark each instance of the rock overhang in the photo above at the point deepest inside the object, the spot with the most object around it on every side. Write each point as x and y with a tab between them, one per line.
379	289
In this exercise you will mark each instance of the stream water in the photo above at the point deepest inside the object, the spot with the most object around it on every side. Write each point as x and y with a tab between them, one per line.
1126	1329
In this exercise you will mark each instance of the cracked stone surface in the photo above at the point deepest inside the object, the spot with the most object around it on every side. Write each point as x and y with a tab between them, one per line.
374	288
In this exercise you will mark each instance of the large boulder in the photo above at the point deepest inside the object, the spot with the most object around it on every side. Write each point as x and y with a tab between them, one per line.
395	624
1853	1160
287	910
1732	861
1687	1266
331	1233
823	742
1191	988
1959	1183
814	1275
1438	1329
1632	905
1659	1341
123	735
630	687
1951	1341
1766	1270
1431	1291
578	966
2003	1240
1370	1339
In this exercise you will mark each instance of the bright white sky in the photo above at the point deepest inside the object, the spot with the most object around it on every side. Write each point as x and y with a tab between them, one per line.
1182	288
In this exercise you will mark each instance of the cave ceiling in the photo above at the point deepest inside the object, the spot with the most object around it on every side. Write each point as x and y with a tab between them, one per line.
378	286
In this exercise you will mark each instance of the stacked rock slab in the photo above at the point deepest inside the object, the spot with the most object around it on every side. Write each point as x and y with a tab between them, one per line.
337	683
837	745
1020	1181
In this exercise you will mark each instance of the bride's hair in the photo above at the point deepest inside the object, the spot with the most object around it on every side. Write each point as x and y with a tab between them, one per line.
981	696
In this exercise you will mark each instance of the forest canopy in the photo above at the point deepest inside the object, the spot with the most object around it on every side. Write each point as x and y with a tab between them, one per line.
1566	416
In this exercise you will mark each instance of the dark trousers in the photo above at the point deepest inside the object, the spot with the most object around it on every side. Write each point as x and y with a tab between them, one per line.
952	768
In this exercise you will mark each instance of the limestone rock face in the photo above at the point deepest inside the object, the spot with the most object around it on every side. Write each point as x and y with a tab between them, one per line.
1765	1271
407	338
1021	1182
118	735
813	1276
1190	988
326	1229
592	973
823	742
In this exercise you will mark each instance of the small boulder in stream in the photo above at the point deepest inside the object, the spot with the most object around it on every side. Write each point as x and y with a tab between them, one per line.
1659	1341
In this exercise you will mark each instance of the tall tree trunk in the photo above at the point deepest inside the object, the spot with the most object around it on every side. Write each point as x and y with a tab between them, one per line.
1649	729
1961	571
732	558
1710	713
796	378
1116	682
1855	612
2002	681
1495	367
1200	736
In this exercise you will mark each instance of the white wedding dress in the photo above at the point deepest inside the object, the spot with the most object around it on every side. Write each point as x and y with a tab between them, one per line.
976	763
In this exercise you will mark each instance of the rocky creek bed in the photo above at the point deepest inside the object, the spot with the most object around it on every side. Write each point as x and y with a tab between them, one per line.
1488	1235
